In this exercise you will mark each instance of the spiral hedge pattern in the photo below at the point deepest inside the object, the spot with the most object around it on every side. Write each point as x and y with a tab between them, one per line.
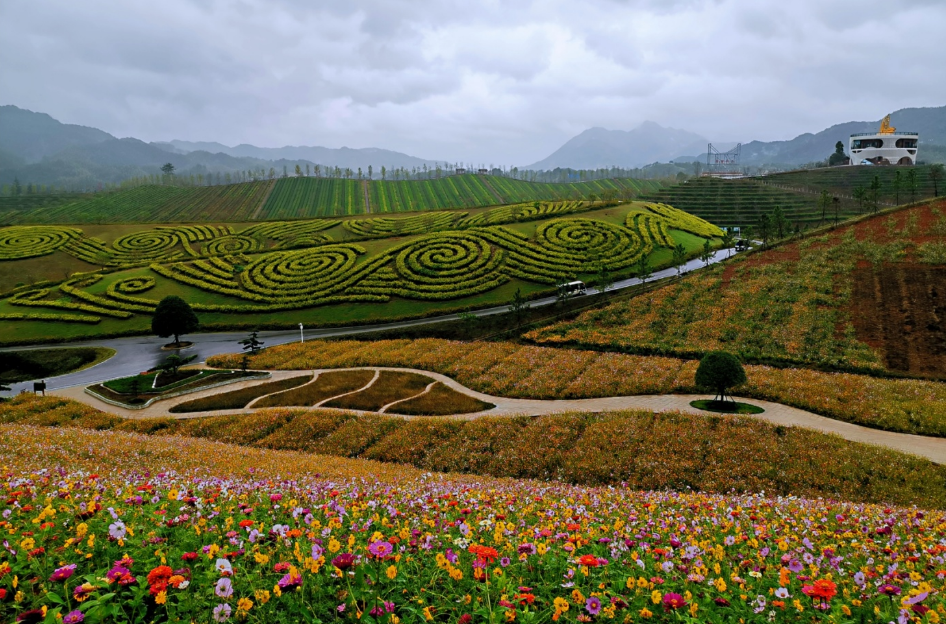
135	285
232	245
591	242
451	264
292	274
148	243
447	264
28	241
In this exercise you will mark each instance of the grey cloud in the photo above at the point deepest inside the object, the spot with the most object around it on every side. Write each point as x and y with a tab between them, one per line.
502	81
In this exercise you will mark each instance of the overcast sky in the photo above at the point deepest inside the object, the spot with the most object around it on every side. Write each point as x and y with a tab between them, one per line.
472	80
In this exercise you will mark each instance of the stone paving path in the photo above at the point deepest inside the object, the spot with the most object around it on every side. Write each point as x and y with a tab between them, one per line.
930	448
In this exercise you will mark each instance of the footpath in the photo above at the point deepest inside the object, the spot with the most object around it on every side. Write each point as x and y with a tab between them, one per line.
933	449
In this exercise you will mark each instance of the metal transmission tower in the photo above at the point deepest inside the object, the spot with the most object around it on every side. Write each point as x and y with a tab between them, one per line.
723	164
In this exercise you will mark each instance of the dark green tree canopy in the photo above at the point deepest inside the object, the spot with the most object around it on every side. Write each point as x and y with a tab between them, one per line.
173	317
719	371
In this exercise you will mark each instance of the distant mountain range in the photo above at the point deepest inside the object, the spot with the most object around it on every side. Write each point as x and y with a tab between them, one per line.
36	148
650	142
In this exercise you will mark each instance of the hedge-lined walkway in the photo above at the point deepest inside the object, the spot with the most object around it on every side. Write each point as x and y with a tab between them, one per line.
933	449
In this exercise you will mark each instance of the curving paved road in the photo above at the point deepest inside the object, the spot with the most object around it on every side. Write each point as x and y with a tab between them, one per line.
140	353
933	449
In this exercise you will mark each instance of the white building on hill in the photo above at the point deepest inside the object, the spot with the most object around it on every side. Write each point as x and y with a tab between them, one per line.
885	147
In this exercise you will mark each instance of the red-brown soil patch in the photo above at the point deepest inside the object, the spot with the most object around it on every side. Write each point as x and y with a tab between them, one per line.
900	311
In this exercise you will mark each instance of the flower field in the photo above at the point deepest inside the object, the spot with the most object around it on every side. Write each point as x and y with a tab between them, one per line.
792	304
105	527
640	449
530	372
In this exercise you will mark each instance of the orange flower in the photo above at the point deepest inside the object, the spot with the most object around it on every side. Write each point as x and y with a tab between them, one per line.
822	588
588	560
484	553
160	574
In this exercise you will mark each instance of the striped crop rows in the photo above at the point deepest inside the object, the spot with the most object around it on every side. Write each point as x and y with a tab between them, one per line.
153	204
301	198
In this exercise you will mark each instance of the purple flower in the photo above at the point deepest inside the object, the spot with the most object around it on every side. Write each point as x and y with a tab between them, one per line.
73	617
889	590
504	562
222	612
380	549
290	581
63	573
781	593
527	549
317	551
795	566
116	530
224	588
593	605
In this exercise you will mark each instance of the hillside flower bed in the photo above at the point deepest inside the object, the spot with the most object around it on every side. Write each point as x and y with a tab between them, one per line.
530	372
636	448
208	532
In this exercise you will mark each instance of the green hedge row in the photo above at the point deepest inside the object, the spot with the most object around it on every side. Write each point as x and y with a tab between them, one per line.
56	318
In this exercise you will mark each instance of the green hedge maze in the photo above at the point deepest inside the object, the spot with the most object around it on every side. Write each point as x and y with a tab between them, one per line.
277	266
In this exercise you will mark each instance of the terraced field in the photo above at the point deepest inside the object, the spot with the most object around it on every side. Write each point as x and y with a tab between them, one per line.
842	181
742	202
296	198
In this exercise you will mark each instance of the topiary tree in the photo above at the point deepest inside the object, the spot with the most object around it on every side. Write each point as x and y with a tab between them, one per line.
173	317
719	371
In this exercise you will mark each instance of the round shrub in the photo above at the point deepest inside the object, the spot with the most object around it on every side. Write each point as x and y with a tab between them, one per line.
719	371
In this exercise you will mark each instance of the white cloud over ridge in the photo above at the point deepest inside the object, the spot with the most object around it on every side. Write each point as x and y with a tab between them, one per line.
489	82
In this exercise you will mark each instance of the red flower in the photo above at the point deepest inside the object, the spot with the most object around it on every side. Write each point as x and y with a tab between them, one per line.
191	556
588	560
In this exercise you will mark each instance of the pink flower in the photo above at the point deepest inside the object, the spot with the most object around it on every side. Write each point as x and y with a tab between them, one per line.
63	573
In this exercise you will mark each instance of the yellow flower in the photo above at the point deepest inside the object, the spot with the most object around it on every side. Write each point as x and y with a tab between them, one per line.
161	598
560	604
81	529
261	558
542	549
276	591
27	543
334	545
244	604
510	615
846	610
427	614
645	613
631	582
656	597
261	595
642	582
693	608
391	572
456	574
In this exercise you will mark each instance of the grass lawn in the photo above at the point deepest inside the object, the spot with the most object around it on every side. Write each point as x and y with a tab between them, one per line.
16	366
125	385
726	407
